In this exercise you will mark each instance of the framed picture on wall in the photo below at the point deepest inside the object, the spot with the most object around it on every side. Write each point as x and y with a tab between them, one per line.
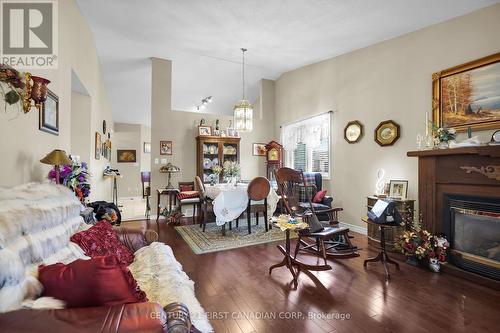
259	149
165	147
147	147
468	95
49	114
126	156
97	153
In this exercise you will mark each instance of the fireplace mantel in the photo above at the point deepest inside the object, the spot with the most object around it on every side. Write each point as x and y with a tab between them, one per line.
469	170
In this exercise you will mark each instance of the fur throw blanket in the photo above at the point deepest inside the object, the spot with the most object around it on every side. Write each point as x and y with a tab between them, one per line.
161	277
36	222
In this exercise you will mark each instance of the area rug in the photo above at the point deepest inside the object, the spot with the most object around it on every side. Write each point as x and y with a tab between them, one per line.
212	240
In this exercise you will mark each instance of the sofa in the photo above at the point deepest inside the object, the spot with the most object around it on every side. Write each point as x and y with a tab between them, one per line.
36	223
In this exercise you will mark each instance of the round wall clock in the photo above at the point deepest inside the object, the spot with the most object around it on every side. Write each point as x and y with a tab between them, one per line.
387	133
353	132
496	137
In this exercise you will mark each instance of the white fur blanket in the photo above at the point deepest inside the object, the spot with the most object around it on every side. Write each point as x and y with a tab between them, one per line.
161	277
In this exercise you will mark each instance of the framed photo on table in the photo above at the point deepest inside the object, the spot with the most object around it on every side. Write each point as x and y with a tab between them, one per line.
49	114
398	189
204	130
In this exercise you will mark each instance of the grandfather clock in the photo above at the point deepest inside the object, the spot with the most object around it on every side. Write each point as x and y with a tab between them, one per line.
274	158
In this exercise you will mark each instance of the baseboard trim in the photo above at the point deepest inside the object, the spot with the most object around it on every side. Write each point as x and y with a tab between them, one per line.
355	228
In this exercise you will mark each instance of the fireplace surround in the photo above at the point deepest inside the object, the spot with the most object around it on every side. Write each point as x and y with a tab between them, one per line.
459	190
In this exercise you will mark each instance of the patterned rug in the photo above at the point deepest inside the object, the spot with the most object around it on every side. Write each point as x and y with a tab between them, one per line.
212	240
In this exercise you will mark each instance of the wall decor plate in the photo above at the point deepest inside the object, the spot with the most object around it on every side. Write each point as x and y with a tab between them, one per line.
387	133
353	132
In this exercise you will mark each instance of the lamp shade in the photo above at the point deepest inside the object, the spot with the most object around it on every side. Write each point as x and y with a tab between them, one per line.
57	157
169	168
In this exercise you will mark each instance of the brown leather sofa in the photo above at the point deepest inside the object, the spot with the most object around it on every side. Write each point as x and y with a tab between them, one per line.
136	317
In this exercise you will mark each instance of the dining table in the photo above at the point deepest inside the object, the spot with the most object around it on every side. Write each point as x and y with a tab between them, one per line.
231	200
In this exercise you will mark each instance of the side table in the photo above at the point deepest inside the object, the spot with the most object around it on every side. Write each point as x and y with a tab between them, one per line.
171	193
382	256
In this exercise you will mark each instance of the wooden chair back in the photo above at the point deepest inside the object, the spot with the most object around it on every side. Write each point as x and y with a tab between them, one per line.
198	184
290	183
258	189
186	184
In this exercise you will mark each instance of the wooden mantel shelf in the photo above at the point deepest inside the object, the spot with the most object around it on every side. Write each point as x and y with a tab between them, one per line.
492	151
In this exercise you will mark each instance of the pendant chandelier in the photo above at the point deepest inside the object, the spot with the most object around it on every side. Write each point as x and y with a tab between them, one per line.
243	110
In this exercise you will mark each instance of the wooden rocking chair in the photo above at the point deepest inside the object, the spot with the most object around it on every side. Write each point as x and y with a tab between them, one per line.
331	240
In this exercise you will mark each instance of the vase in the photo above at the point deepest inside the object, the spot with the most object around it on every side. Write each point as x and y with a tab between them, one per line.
443	145
412	261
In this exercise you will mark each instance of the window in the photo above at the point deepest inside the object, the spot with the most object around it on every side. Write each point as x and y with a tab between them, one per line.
307	144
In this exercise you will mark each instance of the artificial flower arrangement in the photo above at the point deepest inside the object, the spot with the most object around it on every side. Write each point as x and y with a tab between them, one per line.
76	177
419	245
216	169
231	169
443	135
14	81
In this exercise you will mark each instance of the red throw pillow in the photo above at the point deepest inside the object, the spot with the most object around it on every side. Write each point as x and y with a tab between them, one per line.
185	188
101	240
319	196
188	195
94	282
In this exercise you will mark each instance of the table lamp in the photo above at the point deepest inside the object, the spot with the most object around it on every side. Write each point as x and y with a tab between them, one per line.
170	169
57	158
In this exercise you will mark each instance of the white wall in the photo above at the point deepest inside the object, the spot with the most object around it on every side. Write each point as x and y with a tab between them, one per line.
20	138
389	80
182	128
130	136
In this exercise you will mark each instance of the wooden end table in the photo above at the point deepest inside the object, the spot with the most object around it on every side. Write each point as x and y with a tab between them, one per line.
382	256
171	193
290	262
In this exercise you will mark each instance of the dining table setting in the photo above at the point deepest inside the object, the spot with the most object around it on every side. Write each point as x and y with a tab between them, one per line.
231	200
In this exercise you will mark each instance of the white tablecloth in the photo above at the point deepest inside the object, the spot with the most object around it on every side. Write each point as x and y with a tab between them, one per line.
229	201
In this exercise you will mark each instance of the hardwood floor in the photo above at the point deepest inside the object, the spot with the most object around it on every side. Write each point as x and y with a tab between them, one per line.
234	287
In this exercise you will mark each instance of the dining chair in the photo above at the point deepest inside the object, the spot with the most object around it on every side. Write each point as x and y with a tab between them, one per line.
146	190
189	196
205	202
329	239
257	190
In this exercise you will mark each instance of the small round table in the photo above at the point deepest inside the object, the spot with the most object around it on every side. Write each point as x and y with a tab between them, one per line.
172	198
382	256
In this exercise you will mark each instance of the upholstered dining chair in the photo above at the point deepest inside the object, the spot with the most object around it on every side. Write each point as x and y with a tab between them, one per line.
329	239
146	190
257	190
189	196
205	202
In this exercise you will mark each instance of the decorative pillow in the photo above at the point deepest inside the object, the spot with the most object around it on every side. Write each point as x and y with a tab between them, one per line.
318	198
101	240
188	195
94	282
186	188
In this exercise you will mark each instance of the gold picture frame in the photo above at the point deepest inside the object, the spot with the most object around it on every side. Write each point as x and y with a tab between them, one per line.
466	110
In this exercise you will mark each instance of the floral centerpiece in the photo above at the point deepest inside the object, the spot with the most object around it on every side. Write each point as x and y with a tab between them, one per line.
76	177
443	135
231	171
419	245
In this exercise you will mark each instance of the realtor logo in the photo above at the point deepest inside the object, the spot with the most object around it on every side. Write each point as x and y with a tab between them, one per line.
29	34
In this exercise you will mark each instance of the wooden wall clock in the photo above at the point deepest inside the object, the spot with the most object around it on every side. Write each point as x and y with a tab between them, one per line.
274	158
387	133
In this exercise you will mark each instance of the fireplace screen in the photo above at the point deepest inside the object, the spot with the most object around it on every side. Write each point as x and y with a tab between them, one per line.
476	235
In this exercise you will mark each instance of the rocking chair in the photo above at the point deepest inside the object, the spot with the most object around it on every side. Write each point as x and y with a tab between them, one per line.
329	239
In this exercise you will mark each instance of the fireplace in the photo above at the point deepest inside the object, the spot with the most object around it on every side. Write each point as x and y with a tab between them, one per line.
472	225
459	196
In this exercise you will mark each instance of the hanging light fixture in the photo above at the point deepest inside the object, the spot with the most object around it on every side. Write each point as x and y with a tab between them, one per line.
243	110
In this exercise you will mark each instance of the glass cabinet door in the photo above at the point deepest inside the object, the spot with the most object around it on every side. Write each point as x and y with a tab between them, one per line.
210	158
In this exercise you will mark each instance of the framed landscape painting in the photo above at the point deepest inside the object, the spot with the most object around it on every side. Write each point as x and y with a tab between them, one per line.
126	156
468	95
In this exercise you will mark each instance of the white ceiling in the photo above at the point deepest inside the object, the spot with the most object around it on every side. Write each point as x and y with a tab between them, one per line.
203	39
